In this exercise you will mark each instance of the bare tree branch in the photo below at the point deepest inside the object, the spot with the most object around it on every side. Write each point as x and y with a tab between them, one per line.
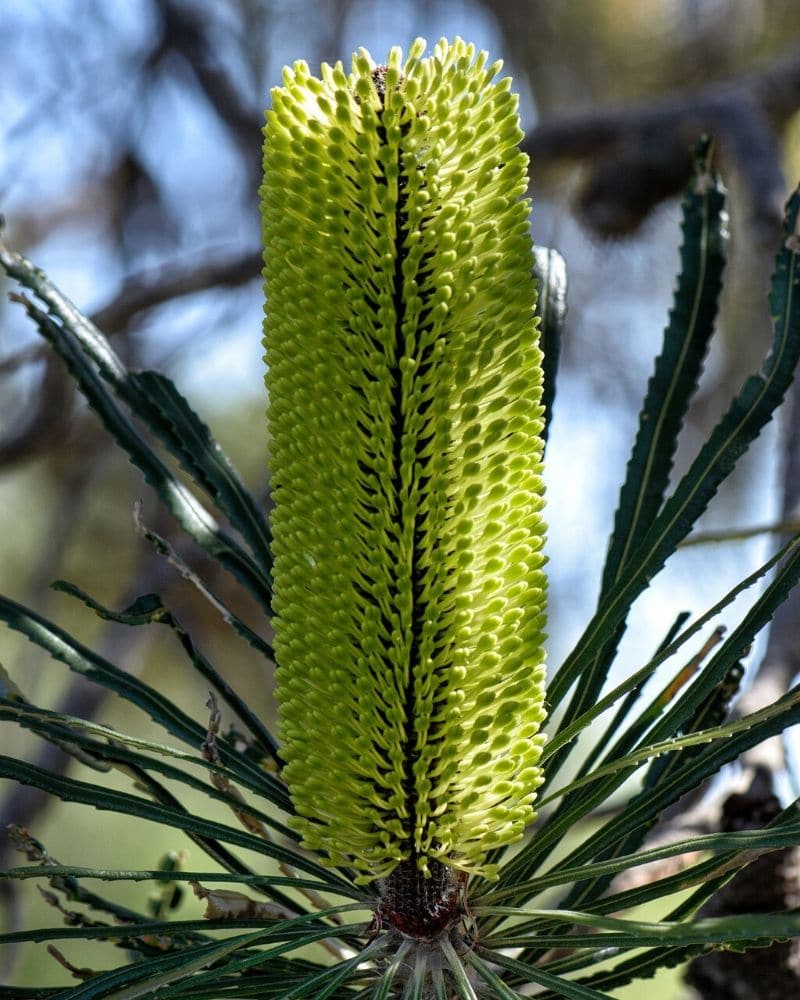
47	422
643	151
46	425
153	288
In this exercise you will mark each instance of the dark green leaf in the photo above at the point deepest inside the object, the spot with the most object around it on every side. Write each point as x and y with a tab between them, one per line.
154	398
189	512
159	875
678	367
533	974
77	657
72	790
150	609
746	417
777	836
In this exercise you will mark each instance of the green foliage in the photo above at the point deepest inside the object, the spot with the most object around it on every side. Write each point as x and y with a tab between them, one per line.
281	921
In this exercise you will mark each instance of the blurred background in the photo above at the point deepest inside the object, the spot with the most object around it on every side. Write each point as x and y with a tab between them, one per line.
129	165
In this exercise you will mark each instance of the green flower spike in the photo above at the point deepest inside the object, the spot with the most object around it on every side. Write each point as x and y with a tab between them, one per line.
405	419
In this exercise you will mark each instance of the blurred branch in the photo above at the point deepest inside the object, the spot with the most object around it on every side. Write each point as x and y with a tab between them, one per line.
643	151
153	288
185	32
47	424
48	420
788	527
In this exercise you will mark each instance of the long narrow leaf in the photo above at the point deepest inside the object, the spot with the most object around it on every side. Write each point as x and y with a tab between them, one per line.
292	929
748	843
644	808
185	507
68	732
531	974
323	984
748	414
143	978
150	609
524	864
643	965
678	367
674	381
708	717
636	680
495	983
651	751
383	987
164	549
237	963
162	875
72	790
634	692
82	660
153	398
743	929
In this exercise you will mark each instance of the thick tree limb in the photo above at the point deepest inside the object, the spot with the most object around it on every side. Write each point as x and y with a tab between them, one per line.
640	155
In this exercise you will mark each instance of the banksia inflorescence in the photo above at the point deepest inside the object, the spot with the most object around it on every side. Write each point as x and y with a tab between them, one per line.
405	431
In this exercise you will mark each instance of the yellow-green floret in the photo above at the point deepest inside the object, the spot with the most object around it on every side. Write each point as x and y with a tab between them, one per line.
405	432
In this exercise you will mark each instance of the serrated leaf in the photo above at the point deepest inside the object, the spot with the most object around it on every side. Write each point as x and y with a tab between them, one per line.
182	504
154	398
678	367
642	966
749	412
150	609
674	381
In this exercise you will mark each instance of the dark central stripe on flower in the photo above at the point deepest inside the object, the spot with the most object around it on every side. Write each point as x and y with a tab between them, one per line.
400	430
